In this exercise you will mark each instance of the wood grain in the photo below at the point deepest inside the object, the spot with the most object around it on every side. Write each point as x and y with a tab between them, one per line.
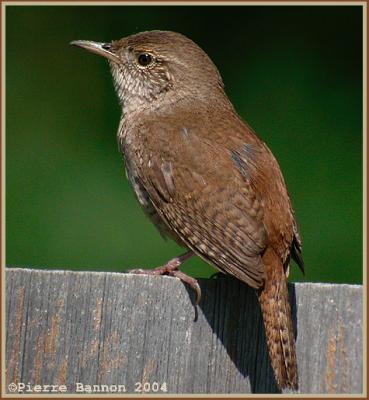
100	328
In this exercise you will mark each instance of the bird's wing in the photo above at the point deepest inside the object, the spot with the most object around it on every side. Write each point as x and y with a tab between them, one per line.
199	189
296	249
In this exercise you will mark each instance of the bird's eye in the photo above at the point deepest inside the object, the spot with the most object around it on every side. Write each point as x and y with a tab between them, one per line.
144	59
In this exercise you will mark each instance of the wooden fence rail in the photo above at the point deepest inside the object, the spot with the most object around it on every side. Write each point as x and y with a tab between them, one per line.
107	332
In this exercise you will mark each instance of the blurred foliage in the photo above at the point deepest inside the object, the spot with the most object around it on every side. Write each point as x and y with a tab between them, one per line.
293	72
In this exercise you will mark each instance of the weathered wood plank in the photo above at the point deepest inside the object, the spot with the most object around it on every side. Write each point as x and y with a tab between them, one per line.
94	328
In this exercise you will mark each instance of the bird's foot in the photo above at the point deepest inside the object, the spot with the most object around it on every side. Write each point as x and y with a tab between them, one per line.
165	269
192	282
171	269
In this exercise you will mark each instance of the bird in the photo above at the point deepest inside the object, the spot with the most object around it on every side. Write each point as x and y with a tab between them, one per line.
203	176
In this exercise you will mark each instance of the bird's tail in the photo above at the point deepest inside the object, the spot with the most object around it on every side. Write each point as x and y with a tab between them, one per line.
275	307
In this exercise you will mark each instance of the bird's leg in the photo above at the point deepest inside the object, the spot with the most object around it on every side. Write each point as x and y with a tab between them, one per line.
171	268
165	269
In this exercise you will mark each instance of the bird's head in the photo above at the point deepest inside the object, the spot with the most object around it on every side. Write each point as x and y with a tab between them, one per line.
154	65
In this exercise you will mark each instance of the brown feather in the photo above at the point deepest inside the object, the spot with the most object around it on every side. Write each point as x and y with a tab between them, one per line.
276	312
203	176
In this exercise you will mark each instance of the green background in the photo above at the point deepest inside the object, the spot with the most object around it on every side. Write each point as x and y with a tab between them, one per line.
294	73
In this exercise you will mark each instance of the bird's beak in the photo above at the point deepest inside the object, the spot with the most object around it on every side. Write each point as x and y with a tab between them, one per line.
101	49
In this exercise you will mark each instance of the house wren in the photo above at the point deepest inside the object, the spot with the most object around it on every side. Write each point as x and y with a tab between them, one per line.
203	177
